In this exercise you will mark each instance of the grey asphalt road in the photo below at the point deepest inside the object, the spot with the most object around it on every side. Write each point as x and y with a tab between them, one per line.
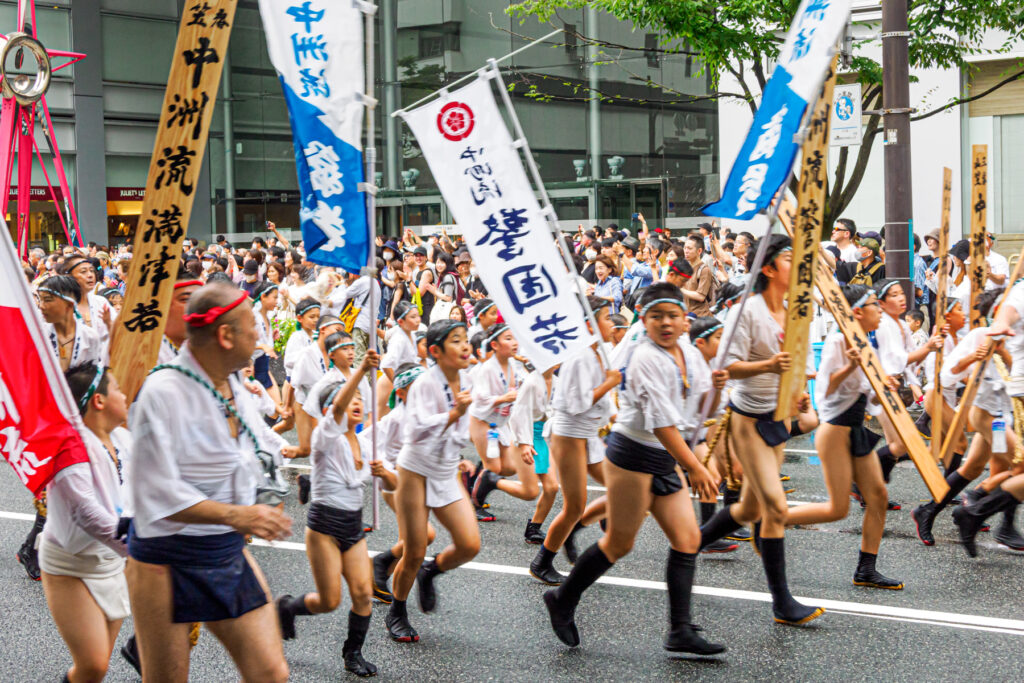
957	620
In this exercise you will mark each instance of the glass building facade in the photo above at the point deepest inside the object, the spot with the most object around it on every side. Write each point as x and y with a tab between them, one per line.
608	143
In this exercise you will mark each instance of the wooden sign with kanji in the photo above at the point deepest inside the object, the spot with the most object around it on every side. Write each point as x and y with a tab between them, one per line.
170	188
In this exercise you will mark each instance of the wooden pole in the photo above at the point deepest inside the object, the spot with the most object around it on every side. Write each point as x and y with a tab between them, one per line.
979	229
170	188
940	311
806	240
836	304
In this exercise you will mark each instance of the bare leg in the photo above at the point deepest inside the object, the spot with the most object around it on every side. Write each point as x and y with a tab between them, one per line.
163	645
528	486
596	511
629	499
548	493
762	493
570	457
304	425
478	435
833	443
325	563
460	521
355	567
83	626
674	514
867	472
412	513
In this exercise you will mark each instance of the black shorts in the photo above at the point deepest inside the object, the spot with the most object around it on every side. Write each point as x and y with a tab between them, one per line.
773	432
261	371
211	579
344	526
636	457
862	439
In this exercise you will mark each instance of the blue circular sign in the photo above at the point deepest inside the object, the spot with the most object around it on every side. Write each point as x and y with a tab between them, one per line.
844	107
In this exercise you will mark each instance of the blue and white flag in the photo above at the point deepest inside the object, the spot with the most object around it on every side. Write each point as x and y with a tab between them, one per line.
480	173
317	48
766	158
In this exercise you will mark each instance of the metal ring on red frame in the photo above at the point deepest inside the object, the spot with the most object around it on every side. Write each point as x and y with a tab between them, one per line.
23	87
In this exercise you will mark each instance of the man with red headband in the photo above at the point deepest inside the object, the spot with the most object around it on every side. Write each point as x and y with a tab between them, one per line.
196	478
174	332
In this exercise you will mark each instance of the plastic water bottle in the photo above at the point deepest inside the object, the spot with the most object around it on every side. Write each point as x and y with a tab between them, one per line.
998	434
493	447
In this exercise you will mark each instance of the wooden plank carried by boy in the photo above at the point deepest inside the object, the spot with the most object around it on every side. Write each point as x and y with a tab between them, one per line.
806	238
836	304
979	230
940	311
189	101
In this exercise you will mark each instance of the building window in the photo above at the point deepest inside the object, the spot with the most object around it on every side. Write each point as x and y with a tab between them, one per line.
572	51
436	40
651	51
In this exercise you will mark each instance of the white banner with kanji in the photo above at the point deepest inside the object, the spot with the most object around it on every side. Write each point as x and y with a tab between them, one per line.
480	174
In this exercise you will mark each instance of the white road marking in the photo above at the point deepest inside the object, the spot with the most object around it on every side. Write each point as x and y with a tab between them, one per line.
862	609
918	616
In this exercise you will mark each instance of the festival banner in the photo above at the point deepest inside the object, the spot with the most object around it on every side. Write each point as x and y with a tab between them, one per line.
478	169
766	158
317	48
39	422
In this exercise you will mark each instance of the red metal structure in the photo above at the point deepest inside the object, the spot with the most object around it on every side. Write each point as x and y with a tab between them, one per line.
23	89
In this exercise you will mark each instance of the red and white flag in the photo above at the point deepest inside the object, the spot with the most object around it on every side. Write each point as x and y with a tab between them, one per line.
39	422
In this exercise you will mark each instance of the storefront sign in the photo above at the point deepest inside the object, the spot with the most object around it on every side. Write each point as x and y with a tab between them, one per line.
126	194
37	194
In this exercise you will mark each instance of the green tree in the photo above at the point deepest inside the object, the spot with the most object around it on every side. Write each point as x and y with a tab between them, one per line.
739	37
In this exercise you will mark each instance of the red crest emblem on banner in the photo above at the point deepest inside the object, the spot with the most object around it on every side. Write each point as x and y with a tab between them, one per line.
455	121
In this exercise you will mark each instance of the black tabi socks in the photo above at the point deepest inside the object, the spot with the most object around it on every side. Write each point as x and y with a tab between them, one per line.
572	552
545	557
591	565
957	483
955	461
867	575
352	649
561	602
397	622
287	609
543	569
37	528
683	636
358	625
730	496
924	515
784	606
888	461
297	606
970	519
720	524
425	585
866	561
707	511
679	574
997	501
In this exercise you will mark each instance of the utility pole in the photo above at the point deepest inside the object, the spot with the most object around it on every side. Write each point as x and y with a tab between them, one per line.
899	205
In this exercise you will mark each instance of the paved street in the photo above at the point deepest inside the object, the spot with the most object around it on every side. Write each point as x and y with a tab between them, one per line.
952	622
